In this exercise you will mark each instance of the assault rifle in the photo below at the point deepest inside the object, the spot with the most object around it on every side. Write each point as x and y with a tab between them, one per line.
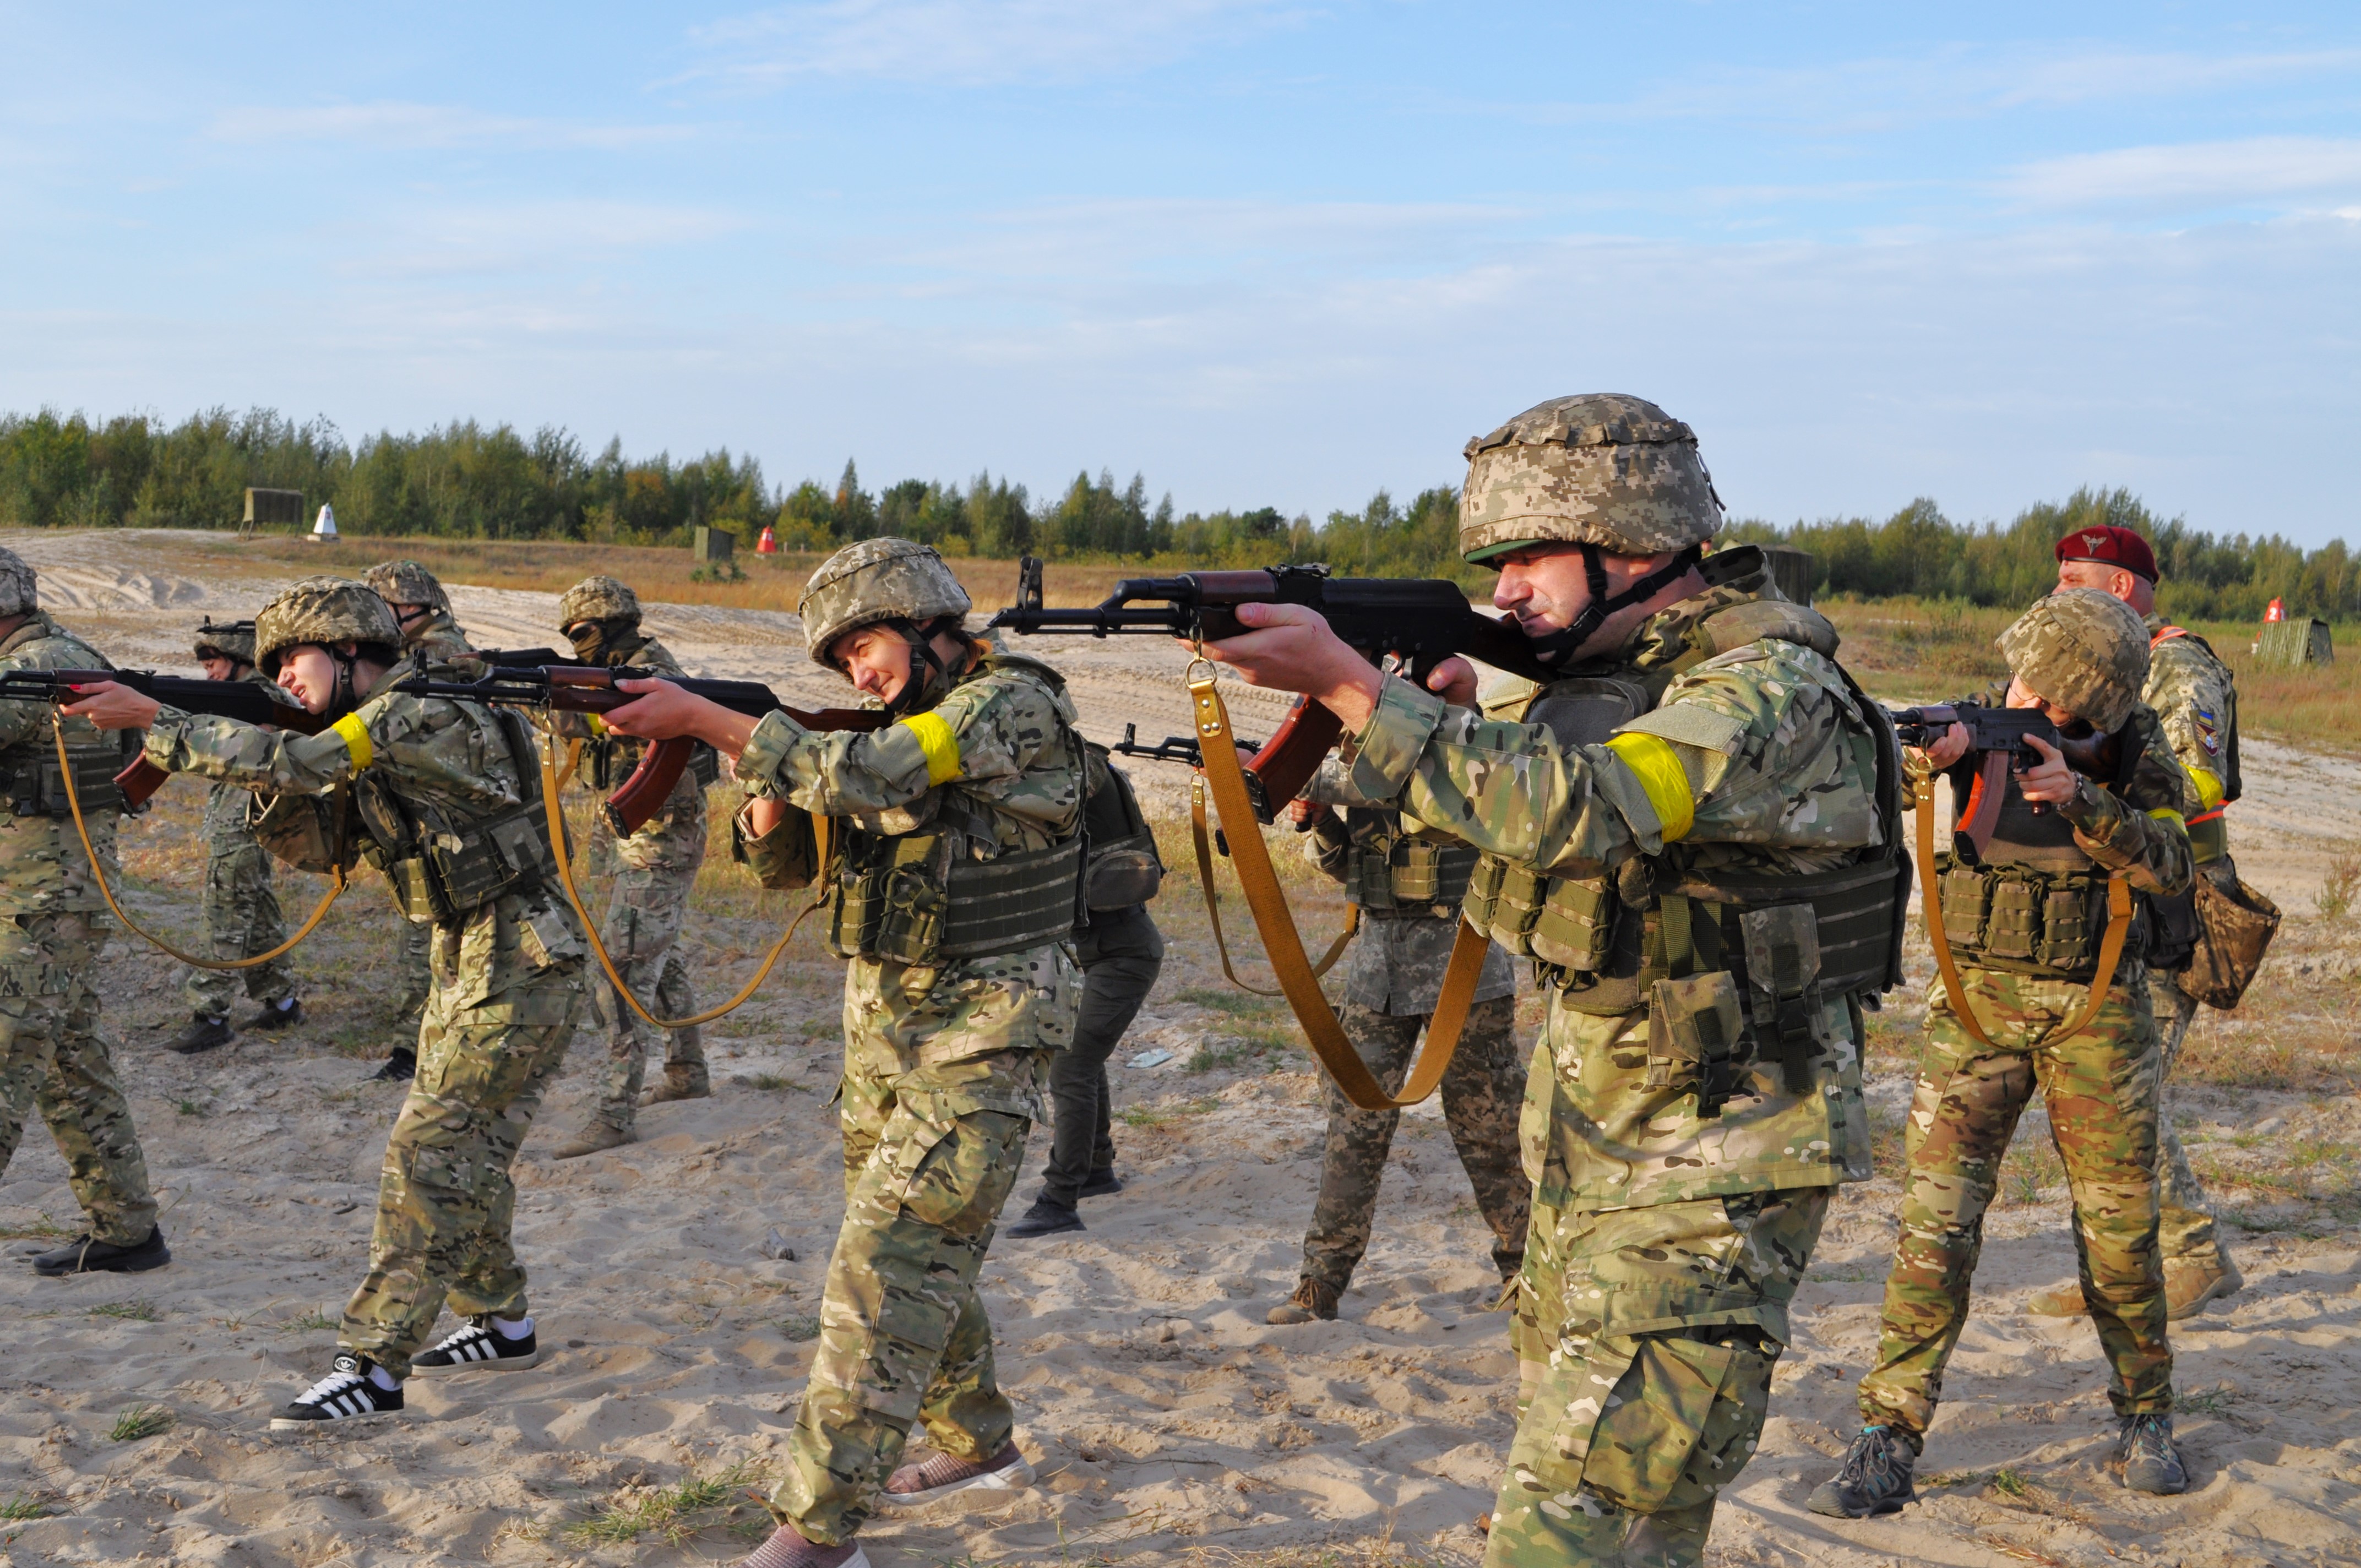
246	701
1997	746
1171	749
576	687
1419	622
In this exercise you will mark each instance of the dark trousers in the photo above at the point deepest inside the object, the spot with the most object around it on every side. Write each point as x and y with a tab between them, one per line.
1121	955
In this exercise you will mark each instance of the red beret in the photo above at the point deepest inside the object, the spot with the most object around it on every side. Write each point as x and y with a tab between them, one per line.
2110	546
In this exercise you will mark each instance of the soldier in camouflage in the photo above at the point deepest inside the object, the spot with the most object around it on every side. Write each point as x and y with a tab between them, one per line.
52	1054
1691	834
422	610
1407	889
2190	692
959	862
2025	920
438	796
654	873
241	913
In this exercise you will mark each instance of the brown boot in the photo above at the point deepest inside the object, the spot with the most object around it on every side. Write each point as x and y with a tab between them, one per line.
2060	1302
595	1135
2189	1284
680	1084
1312	1300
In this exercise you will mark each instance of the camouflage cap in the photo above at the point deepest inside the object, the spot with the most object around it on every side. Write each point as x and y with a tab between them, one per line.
232	639
2082	650
406	581
597	599
19	592
877	579
1602	468
322	610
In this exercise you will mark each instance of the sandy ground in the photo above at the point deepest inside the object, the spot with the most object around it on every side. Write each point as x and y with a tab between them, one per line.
675	1278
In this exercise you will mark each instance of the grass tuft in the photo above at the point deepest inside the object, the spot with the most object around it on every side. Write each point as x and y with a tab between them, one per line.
41	1230
23	1505
800	1326
131	1311
1155	1116
2011	1483
312	1321
671	1513
134	1422
774	1083
2340	882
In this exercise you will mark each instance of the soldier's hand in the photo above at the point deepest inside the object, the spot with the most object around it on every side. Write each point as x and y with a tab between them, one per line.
2051	781
1453	680
1301	813
662	711
1292	649
112	707
1947	751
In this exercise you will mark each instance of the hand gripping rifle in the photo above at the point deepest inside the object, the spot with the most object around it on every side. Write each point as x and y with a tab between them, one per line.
588	688
1418	621
247	701
1997	745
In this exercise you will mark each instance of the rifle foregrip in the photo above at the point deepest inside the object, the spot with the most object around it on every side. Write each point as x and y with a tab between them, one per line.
141	780
650	785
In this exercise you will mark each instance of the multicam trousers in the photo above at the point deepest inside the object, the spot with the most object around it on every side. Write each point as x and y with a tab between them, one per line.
445	1203
242	918
2185	1229
654	873
51	1055
1482	1092
2100	1089
1648	1337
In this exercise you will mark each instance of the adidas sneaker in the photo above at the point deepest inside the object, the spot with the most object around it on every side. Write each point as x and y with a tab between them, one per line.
479	1347
348	1393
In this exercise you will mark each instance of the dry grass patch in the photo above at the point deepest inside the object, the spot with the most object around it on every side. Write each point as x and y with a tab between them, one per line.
698	1502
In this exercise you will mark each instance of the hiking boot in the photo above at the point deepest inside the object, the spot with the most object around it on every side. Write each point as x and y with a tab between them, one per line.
938	1475
277	1014
84	1255
1312	1299
1048	1217
398	1067
480	1347
2060	1302
1102	1184
2190	1284
680	1083
1874	1479
2151	1463
594	1136
789	1548
348	1393
204	1033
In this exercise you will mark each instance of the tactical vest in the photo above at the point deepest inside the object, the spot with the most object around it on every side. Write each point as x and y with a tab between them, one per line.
36	787
442	869
921	899
1392	875
1124	867
1733	965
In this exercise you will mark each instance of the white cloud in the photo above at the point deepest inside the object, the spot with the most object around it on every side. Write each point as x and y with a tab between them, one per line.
425	125
2258	170
973	42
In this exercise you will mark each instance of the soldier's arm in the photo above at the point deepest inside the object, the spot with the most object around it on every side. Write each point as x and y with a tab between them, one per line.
2192	701
2142	832
277	762
983	732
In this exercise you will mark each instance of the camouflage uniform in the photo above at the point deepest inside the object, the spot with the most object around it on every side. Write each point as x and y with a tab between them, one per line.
508	987
943	1061
242	916
2025	978
1668	1233
1393	975
436	637
53	923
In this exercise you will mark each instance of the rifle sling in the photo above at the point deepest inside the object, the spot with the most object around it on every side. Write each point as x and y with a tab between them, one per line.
1214	900
2111	947
1284	947
98	874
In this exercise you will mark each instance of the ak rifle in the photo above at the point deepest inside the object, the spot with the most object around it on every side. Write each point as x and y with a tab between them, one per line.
575	687
1417	621
1998	745
1171	749
246	701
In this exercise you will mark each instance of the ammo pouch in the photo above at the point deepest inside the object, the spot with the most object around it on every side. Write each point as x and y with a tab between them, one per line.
785	857
2172	929
901	900
1763	1005
1124	867
1696	1037
1505	900
304	831
2021	921
447	875
36	787
1405	872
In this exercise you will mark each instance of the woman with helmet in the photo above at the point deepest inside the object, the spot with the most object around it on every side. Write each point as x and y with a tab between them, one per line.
437	795
959	859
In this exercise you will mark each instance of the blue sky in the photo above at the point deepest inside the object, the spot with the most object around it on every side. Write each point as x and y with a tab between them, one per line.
1264	253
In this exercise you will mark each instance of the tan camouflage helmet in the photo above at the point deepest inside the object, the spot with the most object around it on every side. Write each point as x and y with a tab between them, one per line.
231	640
877	579
322	610
1602	468
18	593
406	581
597	599
2084	651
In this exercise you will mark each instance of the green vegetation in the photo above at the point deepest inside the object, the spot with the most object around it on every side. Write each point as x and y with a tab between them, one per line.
21	1507
130	1312
134	1422
671	1513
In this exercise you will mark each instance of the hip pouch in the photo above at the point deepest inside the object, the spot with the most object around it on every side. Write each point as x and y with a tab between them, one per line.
1695	1031
1783	991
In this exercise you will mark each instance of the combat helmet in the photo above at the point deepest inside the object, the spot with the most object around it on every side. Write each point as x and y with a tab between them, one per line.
231	640
325	611
886	582
406	581
597	597
18	593
2082	650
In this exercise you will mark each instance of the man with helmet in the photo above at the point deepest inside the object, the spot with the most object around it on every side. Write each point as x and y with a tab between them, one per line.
422	610
2024	918
1693	834
53	923
654	872
2190	690
241	912
441	797
956	835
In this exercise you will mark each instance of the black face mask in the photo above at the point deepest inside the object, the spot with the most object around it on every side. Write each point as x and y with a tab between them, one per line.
1561	648
606	641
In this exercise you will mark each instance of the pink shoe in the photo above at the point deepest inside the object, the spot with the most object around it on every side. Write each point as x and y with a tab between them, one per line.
940	1476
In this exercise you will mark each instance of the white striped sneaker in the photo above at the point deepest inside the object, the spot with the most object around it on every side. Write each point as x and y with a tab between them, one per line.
348	1393
479	1347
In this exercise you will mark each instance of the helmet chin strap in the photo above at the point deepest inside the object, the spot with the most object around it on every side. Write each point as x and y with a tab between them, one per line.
925	668
1560	647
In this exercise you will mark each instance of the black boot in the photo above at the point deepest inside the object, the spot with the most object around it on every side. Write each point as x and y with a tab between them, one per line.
85	1256
1048	1217
276	1016
1102	1184
398	1067
204	1033
1875	1479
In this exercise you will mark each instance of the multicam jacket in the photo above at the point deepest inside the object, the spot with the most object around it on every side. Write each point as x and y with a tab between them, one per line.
42	866
2191	692
227	806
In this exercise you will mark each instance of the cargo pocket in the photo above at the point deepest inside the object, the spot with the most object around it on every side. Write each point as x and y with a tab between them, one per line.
1678	1424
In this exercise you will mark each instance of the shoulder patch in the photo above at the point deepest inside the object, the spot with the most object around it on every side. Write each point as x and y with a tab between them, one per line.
1691	724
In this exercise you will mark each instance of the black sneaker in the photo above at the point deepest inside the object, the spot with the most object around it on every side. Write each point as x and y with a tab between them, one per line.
346	1393
478	1347
85	1256
204	1033
276	1015
398	1067
1875	1479
2151	1463
1046	1218
1102	1184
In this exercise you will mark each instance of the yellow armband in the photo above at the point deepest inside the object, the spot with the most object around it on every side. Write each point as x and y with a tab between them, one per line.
2208	786
355	735
940	746
1658	768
